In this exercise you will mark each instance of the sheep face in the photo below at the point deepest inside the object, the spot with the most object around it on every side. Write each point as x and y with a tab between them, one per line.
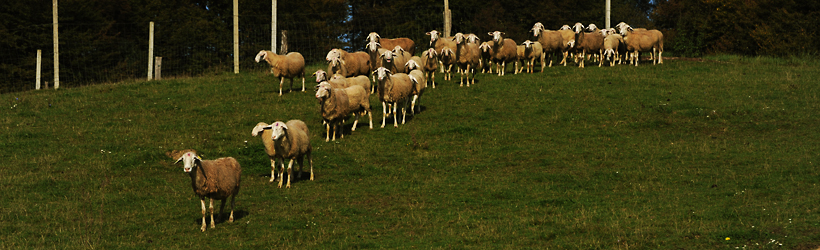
373	37
398	50
411	65
278	130
320	75
625	29
189	161
565	27
592	28
459	38
322	91
430	53
434	35
578	28
372	46
382	73
527	44
621	24
387	56
334	53
497	36
472	38
261	55
537	28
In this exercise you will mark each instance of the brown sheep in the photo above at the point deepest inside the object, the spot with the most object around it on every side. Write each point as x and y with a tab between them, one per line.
467	58
215	179
405	43
355	63
505	51
552	42
290	66
439	43
638	42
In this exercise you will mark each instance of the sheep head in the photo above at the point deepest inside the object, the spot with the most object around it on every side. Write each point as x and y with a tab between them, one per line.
259	127
373	37
578	28
382	73
411	65
430	53
322	90
279	129
621	24
592	28
527	44
604	32
397	49
459	38
608	54
262	55
447	52
434	35
334	53
537	28
625	30
565	27
320	75
484	47
472	38
372	46
189	160
497	36
387	56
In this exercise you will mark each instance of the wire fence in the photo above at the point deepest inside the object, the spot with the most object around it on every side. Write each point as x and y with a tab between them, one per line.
119	52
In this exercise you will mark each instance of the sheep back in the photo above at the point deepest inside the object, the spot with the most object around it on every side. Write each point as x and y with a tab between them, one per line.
287	66
405	43
298	142
222	178
395	88
418	89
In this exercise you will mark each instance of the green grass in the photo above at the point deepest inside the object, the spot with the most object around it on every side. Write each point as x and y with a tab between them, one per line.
676	156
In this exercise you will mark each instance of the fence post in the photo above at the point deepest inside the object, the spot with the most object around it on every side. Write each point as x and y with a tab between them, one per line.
39	67
448	25
151	51
273	26
284	47
56	46
236	36
608	11
158	68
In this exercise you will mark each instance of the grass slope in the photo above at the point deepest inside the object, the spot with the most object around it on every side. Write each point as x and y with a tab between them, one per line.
714	154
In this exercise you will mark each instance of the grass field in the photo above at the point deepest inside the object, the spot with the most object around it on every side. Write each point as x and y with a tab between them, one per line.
712	154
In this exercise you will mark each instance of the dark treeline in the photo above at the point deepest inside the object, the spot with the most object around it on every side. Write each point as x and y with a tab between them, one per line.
106	40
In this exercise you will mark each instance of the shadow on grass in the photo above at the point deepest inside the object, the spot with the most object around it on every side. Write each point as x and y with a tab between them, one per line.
223	217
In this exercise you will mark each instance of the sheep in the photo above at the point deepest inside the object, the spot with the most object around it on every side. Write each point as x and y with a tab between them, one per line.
405	43
338	103
519	52
290	66
505	51
354	64
374	50
486	55
467	58
320	75
269	149
551	42
636	43
656	34
447	59
429	65
439	43
532	51
568	36
584	42
395	60
419	84
416	63
612	44
393	88
215	179
291	141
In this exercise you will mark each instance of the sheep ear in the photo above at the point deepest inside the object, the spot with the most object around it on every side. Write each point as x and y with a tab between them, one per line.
428	33
178	160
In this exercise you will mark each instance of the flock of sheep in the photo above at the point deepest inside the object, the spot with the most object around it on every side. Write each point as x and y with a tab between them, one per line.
399	78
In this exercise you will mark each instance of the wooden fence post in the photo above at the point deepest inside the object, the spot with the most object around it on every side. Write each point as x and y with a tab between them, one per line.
158	68
236	36
151	51
273	26
448	24
284	48
39	68
56	46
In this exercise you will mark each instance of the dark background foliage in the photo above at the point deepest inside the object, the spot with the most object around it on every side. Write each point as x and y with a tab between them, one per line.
106	40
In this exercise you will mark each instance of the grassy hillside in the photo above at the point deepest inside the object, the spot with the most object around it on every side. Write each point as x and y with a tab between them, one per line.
708	154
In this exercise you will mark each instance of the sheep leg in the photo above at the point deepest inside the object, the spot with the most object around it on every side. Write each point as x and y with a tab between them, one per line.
327	132
211	207
272	170
281	81
310	161
290	172
291	86
335	127
204	225
413	104
281	173
300	161
384	111
303	83
230	219
468	75
395	120
222	209
404	111
355	122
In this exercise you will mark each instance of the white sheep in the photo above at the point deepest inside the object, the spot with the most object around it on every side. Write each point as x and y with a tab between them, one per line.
637	42
447	59
353	63
429	64
568	36
267	140
215	179
419	84
291	141
467	58
339	103
587	42
519	52
551	42
505	51
612	44
487	53
439	43
287	66
393	88
533	51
